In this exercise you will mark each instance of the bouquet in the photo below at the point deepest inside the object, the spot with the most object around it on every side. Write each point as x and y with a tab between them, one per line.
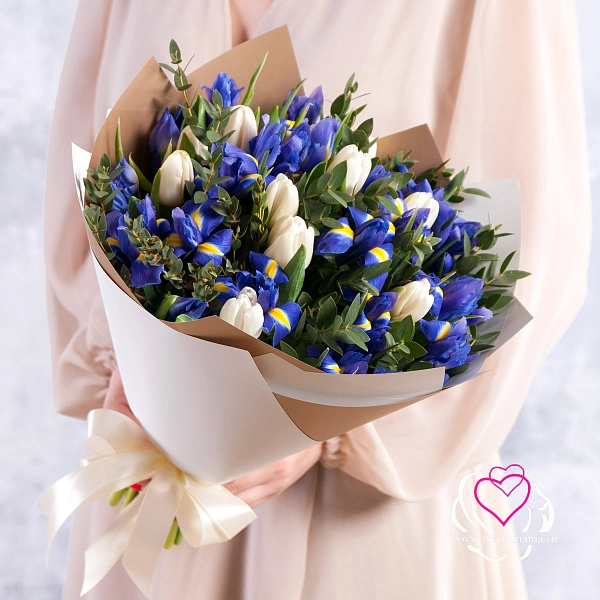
256	234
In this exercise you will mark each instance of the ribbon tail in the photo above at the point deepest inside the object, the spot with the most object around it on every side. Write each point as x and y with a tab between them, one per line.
158	508
210	514
104	553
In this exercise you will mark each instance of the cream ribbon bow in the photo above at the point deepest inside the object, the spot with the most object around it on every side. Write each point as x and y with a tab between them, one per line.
121	455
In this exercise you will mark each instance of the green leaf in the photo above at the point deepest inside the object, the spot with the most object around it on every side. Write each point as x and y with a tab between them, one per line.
402	331
289	291
250	91
514	275
506	261
165	305
326	313
175	52
390	205
476	192
338	175
183	319
154	192
466	244
366	126
353	310
466	264
332	223
288	349
118	142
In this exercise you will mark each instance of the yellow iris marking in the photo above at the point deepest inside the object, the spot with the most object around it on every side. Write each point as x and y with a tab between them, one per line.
209	249
280	317
380	254
386	315
271	269
443	333
251	176
221	287
113	241
391	228
335	368
174	240
366	325
197	218
345	230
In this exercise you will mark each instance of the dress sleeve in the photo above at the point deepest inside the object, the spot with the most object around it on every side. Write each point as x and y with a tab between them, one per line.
81	349
518	112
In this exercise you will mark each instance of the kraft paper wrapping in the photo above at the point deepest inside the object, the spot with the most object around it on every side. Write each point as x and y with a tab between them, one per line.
216	401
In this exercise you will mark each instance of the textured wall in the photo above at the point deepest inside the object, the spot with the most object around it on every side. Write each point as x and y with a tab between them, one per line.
556	437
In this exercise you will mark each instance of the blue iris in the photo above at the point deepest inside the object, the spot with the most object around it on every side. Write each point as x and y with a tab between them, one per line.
193	225
314	101
142	272
268	140
240	166
191	307
227	87
350	363
293	150
165	132
449	343
322	136
127	182
460	297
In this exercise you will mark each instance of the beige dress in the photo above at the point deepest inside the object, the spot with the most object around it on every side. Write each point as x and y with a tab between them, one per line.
499	84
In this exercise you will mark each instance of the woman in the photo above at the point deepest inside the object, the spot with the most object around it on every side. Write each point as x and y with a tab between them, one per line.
500	88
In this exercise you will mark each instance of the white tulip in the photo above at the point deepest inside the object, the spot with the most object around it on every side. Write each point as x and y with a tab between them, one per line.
187	131
358	167
424	200
413	299
286	237
243	124
244	312
282	199
175	171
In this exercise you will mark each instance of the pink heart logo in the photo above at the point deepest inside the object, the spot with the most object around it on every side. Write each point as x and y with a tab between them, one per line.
491	486
500	473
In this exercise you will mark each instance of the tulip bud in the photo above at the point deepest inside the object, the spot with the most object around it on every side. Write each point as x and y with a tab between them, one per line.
243	124
244	312
423	200
286	237
196	143
358	167
175	171
282	199
413	299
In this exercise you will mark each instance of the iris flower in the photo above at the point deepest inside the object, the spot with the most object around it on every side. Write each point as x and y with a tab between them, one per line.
314	101
449	343
269	140
127	182
227	87
142	272
193	225
460	297
350	363
240	166
165	132
322	136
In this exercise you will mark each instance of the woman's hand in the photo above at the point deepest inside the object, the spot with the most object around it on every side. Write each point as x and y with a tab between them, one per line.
253	488
270	481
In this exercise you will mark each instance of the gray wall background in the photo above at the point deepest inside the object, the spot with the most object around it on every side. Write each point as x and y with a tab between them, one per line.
555	438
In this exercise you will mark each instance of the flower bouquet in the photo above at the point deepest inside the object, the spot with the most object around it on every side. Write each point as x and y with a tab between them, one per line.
240	231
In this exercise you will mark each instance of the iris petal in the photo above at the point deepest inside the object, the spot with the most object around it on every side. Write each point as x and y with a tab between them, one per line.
214	248
283	319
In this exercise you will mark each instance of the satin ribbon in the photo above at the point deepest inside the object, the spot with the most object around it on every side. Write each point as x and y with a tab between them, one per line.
121	454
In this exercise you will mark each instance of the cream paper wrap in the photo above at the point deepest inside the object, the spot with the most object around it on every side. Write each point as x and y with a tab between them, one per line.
217	402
